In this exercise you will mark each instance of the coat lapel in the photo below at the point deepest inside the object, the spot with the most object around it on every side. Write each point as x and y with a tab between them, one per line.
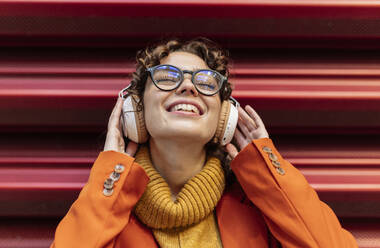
240	223
136	235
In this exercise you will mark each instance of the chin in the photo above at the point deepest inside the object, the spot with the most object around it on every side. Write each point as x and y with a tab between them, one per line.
182	133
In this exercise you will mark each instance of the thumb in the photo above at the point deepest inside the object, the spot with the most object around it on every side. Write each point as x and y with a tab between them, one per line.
232	151
131	148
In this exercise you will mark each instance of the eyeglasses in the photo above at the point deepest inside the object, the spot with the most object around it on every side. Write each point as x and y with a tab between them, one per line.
169	77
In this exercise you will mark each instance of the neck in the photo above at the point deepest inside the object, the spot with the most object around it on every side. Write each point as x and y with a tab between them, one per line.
175	162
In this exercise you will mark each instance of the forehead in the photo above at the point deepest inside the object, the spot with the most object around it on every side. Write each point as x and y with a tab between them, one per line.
185	61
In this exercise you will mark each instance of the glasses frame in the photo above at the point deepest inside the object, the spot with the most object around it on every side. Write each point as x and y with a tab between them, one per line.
123	94
193	73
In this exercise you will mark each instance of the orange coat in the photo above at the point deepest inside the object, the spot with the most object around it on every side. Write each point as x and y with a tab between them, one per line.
285	204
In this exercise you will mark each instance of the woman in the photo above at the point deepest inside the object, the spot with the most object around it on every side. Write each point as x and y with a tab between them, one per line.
171	192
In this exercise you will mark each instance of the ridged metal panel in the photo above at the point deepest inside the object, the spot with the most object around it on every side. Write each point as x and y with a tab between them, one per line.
310	68
245	23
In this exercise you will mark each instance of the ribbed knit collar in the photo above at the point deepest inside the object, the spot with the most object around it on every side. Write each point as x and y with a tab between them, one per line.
196	200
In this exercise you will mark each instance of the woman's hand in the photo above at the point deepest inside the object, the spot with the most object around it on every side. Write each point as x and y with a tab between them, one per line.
250	126
114	139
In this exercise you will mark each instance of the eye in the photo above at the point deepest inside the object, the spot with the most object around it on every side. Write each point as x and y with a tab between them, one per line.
206	80
206	86
166	76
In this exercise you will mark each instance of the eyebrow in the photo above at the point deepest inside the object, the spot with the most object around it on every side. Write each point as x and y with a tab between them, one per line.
193	69
197	68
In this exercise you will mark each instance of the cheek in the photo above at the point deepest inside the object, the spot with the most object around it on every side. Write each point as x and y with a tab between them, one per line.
215	117
151	99
153	116
148	104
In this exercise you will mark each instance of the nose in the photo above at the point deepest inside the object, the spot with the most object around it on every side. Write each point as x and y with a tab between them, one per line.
187	87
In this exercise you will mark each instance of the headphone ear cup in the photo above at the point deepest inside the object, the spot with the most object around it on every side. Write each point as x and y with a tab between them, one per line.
222	121
133	121
227	123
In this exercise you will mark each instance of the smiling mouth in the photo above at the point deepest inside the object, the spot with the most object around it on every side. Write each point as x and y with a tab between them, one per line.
185	108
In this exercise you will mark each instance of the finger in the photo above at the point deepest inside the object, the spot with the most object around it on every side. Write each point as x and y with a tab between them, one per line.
131	148
243	128
240	139
232	151
262	132
253	114
247	120
116	113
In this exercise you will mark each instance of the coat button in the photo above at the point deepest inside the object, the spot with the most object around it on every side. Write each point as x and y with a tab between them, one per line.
280	171
108	183
119	168
107	192
115	176
276	164
272	157
267	149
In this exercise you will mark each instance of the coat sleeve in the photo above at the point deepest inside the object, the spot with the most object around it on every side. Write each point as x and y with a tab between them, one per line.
94	220
291	208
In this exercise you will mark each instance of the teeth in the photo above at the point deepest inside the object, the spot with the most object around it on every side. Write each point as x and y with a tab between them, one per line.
185	107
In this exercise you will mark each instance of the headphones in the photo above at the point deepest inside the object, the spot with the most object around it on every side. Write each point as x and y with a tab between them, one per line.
133	123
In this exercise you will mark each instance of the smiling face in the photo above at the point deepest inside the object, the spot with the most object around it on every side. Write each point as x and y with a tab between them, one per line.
183	113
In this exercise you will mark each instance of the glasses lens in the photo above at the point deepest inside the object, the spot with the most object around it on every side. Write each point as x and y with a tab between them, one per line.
166	77
207	82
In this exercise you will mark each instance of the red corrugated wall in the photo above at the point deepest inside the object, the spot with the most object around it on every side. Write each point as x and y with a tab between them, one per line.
310	68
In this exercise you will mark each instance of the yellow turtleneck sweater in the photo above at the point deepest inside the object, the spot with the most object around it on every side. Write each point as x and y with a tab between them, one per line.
188	221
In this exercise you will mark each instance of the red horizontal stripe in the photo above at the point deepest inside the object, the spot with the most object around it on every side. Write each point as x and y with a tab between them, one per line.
328	160
323	179
342	68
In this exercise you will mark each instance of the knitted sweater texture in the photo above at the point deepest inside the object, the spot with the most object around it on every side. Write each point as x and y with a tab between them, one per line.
189	221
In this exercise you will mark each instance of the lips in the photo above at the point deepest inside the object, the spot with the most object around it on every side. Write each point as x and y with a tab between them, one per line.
185	107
